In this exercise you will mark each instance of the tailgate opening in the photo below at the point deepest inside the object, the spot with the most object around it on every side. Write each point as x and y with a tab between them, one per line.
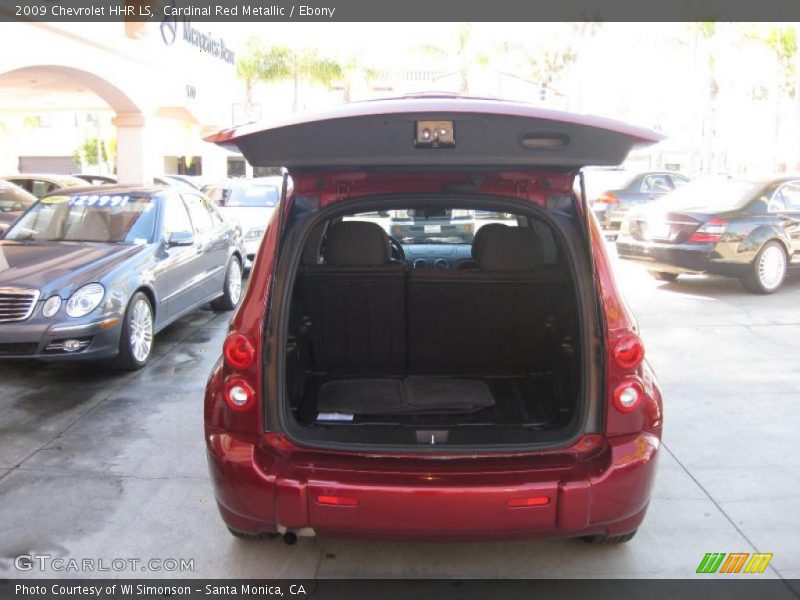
473	341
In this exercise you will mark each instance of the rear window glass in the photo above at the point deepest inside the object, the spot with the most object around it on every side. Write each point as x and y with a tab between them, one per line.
254	196
711	193
13	199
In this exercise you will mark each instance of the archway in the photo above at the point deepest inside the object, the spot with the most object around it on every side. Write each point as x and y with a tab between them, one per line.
60	87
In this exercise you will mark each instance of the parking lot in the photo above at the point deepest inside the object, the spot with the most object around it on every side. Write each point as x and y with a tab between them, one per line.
94	464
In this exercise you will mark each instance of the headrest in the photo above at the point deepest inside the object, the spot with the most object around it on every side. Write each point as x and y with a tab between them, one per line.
356	244
510	249
479	236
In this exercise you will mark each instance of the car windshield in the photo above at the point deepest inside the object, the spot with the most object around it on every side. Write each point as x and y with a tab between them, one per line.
713	193
425	225
251	196
13	199
108	218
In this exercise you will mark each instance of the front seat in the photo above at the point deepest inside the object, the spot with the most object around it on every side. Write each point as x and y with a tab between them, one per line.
477	242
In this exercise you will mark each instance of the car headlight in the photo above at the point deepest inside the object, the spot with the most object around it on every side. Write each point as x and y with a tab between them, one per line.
85	300
51	306
254	234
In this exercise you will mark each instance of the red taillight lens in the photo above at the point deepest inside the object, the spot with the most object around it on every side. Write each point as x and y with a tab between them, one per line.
533	501
337	500
710	231
608	198
239	395
628	396
629	351
238	350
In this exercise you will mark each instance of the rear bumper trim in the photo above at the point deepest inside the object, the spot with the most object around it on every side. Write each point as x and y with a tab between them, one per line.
261	492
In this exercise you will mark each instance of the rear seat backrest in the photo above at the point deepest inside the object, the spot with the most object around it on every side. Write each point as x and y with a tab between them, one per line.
356	302
492	318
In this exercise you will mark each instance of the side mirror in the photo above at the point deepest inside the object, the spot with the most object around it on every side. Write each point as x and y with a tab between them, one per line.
180	238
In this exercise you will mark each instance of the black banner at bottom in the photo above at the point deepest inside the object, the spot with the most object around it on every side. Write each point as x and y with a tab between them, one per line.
390	589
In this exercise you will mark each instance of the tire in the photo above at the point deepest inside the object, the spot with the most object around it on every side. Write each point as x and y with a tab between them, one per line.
663	276
231	289
136	338
768	269
610	539
252	536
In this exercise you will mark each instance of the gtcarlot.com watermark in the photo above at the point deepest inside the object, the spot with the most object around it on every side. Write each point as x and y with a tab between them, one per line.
55	564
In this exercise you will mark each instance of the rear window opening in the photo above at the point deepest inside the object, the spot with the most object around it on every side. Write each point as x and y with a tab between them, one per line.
436	337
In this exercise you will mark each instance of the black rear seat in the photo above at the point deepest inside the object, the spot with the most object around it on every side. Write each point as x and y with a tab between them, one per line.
356	303
493	318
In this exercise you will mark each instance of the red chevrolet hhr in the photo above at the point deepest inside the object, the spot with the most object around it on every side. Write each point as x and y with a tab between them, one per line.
431	345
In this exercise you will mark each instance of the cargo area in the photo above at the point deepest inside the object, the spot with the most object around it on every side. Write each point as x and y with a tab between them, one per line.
480	347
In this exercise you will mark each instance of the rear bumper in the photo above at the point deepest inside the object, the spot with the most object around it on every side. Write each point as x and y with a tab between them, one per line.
681	258
259	489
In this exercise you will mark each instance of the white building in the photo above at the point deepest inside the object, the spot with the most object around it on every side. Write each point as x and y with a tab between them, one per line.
156	89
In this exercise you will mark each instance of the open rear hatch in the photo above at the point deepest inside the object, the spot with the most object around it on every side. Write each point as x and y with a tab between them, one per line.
436	131
521	371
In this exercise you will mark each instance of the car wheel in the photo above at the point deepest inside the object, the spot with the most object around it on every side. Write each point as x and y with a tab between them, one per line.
768	270
232	290
610	539
663	276
136	339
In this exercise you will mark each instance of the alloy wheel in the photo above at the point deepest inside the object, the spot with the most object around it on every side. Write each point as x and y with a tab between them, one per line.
771	267
235	281
141	330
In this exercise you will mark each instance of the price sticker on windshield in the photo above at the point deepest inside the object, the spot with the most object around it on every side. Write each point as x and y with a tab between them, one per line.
98	200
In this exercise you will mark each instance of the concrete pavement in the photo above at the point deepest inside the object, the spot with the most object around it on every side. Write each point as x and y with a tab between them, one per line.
100	465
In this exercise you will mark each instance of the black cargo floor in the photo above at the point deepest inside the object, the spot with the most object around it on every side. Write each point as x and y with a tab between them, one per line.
418	400
436	395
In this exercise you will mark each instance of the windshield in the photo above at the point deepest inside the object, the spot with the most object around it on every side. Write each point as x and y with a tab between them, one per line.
87	218
255	196
713	193
14	199
424	225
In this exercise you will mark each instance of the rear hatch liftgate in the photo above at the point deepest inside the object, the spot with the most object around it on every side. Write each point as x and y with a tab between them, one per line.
434	134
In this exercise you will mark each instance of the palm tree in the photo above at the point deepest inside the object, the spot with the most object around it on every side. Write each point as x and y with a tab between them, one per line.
248	69
281	63
463	50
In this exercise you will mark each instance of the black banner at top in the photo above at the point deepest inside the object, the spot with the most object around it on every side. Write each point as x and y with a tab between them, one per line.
407	10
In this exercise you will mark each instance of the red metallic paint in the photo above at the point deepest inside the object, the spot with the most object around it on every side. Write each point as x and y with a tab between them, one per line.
599	485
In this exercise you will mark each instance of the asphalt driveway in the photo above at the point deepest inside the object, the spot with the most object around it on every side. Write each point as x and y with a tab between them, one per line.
99	465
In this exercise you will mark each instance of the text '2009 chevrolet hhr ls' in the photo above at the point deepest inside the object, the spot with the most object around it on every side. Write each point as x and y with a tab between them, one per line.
436	387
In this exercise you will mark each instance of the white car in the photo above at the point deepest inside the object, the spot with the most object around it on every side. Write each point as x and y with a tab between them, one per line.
248	203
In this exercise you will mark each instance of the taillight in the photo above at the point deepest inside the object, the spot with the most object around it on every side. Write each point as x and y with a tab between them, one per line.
628	395
238	351
710	232
608	198
337	500
239	395
628	351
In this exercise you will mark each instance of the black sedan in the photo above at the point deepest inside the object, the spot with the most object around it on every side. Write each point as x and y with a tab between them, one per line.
95	273
13	202
611	206
745	228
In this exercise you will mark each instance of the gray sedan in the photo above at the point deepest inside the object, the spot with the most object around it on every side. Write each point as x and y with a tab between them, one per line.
94	273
